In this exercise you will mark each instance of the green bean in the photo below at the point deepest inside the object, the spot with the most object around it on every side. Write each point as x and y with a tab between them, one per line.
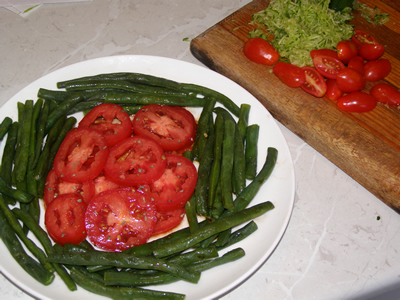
194	256
218	206
213	228
18	195
239	235
243	121
145	99
251	150
58	96
228	257
41	126
227	164
190	210
5	126
30	265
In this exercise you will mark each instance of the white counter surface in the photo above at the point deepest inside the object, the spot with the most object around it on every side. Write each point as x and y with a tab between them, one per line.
341	243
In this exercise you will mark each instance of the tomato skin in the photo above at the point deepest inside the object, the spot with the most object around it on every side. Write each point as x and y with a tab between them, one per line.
371	51
65	219
346	50
357	63
167	221
361	37
350	80
386	94
332	90
324	52
376	70
260	51
291	75
328	66
357	102
315	83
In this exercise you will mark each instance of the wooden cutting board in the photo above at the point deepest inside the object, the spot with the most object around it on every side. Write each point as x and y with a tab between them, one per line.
364	145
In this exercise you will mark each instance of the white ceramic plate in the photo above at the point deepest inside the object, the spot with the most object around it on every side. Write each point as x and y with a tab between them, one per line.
279	189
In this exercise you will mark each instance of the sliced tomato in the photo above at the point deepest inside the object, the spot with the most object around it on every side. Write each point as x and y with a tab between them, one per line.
350	80
361	37
168	126
315	83
386	93
102	183
347	50
111	119
324	52
55	186
371	51
291	75
357	102
376	70
357	63
119	219
175	187
65	219
328	66
166	221
135	160
260	51
332	90
81	156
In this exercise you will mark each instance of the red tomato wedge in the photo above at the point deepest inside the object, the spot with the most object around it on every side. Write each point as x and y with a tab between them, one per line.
315	83
328	66
119	219
175	187
81	156
55	186
291	75
386	94
361	37
136	160
357	102
111	119
169	127
324	52
167	221
65	219
260	51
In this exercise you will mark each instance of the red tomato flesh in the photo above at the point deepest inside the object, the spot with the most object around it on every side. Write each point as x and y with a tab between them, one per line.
167	221
315	83
324	52
260	51
328	66
361	37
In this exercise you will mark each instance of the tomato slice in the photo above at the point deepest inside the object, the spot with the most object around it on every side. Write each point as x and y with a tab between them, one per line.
81	156
135	160
260	51
324	52
102	183
357	102
175	187
167	221
361	37
386	94
120	218
328	66
65	219
315	83
55	186
168	126
111	119
291	75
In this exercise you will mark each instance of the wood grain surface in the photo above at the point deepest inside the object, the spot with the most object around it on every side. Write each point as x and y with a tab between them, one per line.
364	145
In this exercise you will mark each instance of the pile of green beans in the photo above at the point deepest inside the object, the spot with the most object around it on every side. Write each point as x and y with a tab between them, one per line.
225	149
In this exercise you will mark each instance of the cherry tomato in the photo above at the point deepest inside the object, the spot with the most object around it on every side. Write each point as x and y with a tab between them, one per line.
357	102
315	83
175	187
350	80
81	156
376	70
324	52
361	37
291	75
260	51
135	160
371	51
357	63
111	120
55	186
346	50
167	221
386	93
169	127
328	66
119	219
65	219
332	90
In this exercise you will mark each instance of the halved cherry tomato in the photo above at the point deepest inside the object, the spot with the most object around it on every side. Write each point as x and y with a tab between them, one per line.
376	70
119	219
291	75
81	156
135	160
357	102
328	66
350	80
315	83
361	37
65	219
324	52
386	93
357	63
111	119
332	90
260	51
175	187
346	50
167	221
169	127
371	51
55	186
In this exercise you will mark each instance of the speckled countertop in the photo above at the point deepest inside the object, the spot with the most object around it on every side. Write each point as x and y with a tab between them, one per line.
341	243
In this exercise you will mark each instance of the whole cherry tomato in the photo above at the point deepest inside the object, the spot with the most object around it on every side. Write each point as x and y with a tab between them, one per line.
315	83
350	80
362	37
326	52
357	102
289	74
386	93
260	51
357	63
371	51
328	66
376	70
346	50
332	90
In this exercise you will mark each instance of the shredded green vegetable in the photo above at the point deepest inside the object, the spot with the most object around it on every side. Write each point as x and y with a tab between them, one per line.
371	15
297	27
